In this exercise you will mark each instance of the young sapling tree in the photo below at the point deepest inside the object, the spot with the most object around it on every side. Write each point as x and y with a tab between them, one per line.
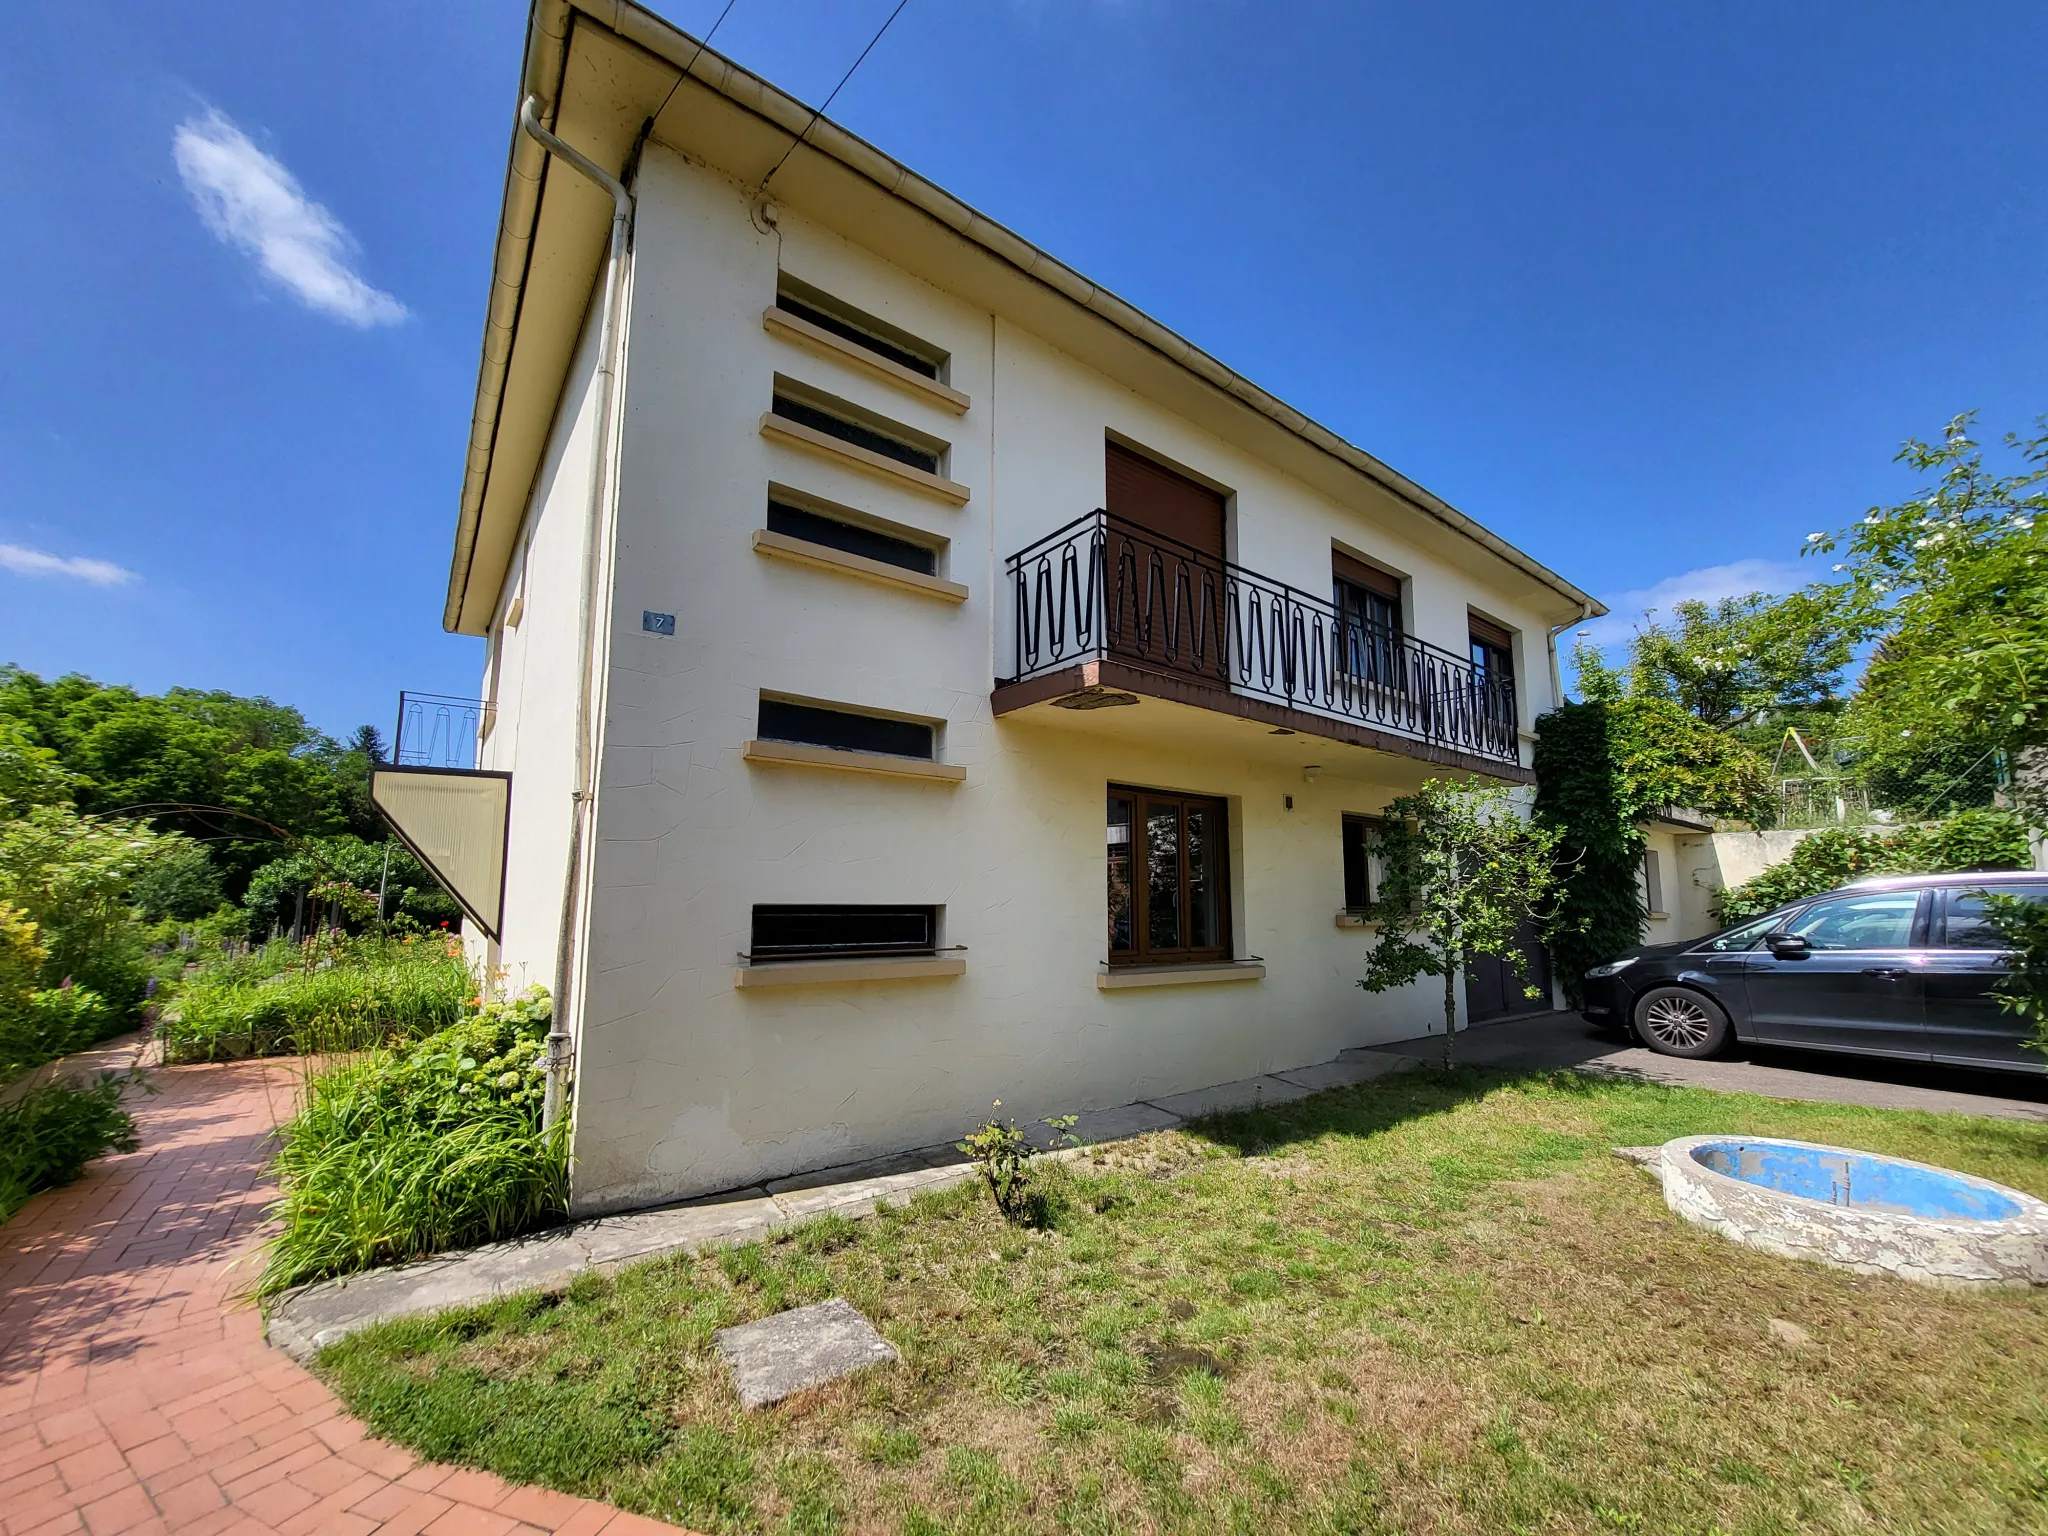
1462	873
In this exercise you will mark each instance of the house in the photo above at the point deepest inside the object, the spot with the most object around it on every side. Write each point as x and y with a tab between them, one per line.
924	679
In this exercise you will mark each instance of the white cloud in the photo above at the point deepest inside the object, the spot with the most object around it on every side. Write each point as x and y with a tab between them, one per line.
23	561
1709	584
250	200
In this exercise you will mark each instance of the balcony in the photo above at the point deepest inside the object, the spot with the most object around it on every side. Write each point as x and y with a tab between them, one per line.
437	731
1106	612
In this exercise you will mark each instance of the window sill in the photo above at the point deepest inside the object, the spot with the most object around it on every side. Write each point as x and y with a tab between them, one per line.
1657	917
817	339
819	973
793	754
803	552
1346	918
798	435
1114	978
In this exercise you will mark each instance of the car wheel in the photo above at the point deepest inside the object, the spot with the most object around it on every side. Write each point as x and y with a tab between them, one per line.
1676	1021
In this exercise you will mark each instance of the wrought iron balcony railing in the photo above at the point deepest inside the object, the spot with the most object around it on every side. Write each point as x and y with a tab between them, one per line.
436	731
1102	589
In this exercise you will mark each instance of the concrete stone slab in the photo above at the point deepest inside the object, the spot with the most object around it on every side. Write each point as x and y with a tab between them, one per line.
806	1347
1225	1097
615	1240
1122	1122
860	1197
918	1159
1346	1070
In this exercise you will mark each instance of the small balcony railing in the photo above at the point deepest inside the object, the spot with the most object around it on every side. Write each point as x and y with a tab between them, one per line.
1103	589
436	731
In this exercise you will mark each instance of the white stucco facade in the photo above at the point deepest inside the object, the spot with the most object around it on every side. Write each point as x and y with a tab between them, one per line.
688	1082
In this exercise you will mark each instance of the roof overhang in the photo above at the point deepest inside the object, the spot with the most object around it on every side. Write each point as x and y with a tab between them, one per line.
605	71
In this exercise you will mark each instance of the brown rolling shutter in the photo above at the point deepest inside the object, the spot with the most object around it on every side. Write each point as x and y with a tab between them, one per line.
1160	501
1358	573
1491	633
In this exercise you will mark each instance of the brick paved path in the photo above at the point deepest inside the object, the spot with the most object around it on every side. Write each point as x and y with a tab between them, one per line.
136	1393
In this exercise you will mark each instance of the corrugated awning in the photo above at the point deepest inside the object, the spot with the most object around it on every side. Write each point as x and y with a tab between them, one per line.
454	820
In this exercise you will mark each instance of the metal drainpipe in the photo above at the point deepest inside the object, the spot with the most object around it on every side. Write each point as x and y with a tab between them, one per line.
596	524
1557	676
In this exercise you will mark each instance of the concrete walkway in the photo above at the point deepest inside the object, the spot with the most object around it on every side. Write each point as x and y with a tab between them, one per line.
307	1320
136	1393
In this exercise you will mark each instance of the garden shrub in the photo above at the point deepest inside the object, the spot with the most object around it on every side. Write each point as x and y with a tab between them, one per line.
429	1145
354	995
1835	856
50	1133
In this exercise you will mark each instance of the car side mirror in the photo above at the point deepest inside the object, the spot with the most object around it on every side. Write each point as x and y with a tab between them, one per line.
1787	946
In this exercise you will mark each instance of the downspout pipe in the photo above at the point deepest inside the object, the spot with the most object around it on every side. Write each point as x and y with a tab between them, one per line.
597	541
1556	673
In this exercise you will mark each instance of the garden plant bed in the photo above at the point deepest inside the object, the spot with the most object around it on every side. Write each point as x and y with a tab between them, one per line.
1418	1304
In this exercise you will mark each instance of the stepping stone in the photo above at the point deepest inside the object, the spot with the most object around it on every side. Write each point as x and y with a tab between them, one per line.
803	1348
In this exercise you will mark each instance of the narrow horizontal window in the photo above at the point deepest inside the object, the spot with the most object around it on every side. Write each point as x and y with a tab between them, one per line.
804	414
854	539
844	729
863	330
828	932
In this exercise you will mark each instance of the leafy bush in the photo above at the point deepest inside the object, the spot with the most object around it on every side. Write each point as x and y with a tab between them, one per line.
54	1022
274	893
1837	855
356	995
1003	1155
50	1133
432	1144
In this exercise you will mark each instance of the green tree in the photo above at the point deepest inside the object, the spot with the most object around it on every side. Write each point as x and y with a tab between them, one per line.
274	894
1730	663
72	876
1463	873
123	749
1952	584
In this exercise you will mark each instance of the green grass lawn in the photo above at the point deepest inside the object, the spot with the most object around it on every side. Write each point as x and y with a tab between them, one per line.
1418	1305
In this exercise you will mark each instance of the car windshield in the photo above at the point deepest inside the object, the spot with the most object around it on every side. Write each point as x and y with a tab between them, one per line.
1745	937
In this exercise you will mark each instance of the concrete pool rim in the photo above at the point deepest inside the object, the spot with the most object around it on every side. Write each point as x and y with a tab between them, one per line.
1933	1250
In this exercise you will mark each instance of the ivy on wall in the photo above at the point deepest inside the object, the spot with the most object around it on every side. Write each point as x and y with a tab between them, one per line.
1601	770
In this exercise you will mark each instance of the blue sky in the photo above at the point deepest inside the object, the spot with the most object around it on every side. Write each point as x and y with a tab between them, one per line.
1650	290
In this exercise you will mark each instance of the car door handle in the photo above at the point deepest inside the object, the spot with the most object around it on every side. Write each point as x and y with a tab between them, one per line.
1889	972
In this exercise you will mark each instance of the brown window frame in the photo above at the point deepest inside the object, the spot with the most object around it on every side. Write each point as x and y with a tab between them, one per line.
1141	951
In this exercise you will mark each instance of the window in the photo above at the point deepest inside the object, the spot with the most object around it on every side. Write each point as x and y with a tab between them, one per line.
863	330
1874	920
1359	833
851	425
854	539
1493	652
1653	882
827	932
1969	928
1368	603
850	731
1169	867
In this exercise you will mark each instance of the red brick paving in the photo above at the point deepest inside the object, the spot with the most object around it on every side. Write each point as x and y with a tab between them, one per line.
136	1393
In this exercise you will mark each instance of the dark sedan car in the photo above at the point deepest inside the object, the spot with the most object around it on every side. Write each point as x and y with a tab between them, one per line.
1902	966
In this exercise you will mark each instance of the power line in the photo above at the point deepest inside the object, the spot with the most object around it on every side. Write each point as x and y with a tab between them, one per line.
835	91
701	46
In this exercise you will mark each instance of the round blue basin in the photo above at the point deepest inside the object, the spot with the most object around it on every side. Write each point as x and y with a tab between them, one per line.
1857	1180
